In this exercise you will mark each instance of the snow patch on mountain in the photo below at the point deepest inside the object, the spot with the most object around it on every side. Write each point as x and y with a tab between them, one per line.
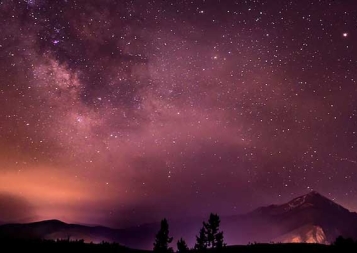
304	234
296	203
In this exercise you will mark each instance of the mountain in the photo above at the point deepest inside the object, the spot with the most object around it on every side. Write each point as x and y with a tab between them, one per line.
54	229
311	218
137	237
308	218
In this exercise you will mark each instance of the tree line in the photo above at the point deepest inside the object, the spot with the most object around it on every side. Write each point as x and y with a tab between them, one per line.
209	237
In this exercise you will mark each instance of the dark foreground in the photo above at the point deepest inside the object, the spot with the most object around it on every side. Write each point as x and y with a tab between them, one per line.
288	248
63	246
40	246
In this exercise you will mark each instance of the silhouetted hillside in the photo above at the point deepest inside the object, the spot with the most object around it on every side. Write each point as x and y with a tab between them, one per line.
60	246
310	218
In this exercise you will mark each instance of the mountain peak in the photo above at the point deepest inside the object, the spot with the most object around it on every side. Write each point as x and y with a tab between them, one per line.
314	196
314	193
313	199
52	222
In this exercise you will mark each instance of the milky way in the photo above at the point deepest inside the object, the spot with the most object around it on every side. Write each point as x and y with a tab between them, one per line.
124	112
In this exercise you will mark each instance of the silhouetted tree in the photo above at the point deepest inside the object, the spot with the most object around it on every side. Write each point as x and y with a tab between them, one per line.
219	240
162	240
343	242
214	236
182	246
201	240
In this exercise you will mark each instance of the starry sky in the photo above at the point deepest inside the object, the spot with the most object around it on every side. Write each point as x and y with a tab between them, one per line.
124	112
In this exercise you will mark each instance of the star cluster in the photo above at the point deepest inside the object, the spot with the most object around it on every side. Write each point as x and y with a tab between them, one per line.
135	110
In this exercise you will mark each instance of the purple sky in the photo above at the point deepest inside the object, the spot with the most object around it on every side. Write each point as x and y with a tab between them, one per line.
123	112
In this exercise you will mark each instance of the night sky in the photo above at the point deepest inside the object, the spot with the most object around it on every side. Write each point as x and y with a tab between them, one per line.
124	112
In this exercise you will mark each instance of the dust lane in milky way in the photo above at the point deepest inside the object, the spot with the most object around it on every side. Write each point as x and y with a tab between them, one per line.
135	111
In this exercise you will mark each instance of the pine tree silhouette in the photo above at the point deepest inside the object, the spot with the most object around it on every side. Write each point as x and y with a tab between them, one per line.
162	240
219	240
210	236
182	246
201	240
